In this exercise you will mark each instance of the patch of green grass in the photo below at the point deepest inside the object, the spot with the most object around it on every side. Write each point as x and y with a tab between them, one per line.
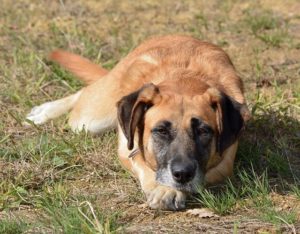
296	190
277	163
82	218
61	212
270	214
13	226
250	191
275	144
267	27
72	215
202	20
221	202
253	185
44	160
260	21
274	39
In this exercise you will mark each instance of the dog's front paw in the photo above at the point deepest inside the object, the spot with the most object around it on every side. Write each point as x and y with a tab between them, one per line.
39	114
166	198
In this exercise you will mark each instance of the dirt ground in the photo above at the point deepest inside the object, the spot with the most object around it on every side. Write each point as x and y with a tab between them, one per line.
46	171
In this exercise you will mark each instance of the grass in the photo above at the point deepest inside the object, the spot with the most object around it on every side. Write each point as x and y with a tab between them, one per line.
10	226
267	27
52	180
81	218
223	202
296	190
62	214
251	192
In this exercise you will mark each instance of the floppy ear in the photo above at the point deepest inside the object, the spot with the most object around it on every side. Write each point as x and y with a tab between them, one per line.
132	108
229	114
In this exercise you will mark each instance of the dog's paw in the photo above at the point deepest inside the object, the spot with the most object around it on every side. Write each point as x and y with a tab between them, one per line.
39	114
166	198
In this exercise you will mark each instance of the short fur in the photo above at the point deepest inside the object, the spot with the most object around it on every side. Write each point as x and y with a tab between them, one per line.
179	107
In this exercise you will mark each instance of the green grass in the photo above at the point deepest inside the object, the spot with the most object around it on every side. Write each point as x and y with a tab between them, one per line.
60	212
250	186
11	226
250	191
267	27
296	190
80	218
221	202
52	180
270	214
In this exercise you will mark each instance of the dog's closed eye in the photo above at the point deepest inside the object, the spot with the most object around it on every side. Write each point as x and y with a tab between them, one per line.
163	128
201	131
161	131
200	128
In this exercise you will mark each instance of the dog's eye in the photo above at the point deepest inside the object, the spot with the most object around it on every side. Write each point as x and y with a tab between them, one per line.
161	131
163	128
199	128
202	131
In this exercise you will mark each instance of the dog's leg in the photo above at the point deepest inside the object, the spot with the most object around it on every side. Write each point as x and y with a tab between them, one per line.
158	196
92	109
95	111
50	110
224	168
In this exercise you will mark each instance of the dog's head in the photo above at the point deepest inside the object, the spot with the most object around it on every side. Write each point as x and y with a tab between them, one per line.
181	127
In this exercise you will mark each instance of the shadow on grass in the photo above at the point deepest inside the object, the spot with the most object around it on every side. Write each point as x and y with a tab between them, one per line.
271	143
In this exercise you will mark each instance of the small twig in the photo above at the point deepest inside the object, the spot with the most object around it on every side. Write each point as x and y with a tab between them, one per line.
67	168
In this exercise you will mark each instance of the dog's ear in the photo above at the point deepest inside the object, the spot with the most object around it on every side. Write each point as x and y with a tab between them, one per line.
230	118
132	108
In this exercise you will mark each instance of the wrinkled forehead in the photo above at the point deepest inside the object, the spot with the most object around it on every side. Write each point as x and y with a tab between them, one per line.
180	109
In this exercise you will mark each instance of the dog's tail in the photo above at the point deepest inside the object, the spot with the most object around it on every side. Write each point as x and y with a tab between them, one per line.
79	66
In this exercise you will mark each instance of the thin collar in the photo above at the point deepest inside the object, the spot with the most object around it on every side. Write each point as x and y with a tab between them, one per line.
133	153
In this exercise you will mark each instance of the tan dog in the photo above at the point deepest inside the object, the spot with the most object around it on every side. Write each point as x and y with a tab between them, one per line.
179	107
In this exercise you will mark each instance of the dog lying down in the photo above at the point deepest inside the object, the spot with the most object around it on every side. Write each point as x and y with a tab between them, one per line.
179	108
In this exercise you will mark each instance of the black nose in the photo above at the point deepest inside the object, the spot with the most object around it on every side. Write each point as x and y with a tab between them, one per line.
183	172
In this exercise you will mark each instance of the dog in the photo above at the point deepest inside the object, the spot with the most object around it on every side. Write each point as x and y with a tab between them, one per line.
179	107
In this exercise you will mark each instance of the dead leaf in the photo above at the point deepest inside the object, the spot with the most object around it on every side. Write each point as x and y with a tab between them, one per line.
203	213
143	206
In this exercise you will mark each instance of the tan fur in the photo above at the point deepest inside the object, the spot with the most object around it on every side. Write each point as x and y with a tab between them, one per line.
78	65
224	168
189	73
